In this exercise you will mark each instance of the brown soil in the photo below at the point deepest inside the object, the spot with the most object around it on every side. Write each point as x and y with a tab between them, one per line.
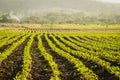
67	68
40	69
13	63
100	71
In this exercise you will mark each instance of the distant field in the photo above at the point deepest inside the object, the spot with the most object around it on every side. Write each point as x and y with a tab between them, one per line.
59	52
61	27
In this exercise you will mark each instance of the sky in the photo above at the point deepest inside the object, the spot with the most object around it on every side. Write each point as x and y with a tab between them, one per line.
110	1
92	6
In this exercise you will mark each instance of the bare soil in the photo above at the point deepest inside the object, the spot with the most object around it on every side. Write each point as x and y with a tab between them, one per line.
40	69
13	63
67	68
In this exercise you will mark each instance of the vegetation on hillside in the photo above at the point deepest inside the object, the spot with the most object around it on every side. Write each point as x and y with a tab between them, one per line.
62	18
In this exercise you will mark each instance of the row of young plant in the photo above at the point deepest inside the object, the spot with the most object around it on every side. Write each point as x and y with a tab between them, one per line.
99	45
82	70
7	33
49	58
26	68
114	50
111	55
27	60
8	51
104	43
8	40
39	31
112	69
107	39
2	37
8	37
4	33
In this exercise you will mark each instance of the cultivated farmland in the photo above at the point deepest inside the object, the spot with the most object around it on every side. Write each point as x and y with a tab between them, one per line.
53	53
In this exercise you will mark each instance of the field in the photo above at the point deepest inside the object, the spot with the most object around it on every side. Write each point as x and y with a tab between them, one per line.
33	52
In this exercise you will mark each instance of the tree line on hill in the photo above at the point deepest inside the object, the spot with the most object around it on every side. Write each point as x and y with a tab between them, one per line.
61	18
